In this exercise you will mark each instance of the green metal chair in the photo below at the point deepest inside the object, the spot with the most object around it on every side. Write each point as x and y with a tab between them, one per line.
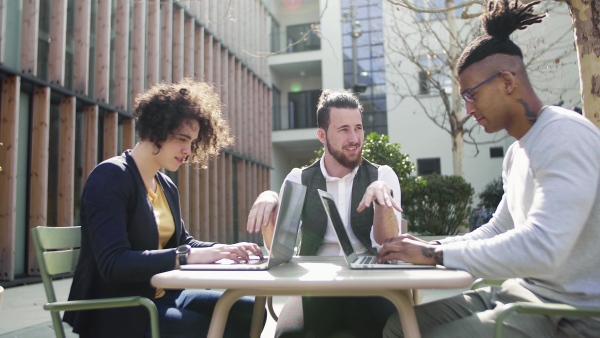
535	308
57	251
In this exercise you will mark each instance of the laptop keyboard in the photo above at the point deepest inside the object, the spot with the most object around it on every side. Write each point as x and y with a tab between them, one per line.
367	260
373	260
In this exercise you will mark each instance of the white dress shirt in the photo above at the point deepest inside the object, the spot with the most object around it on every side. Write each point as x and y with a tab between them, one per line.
341	189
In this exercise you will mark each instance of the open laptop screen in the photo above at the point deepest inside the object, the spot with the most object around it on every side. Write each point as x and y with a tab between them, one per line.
338	224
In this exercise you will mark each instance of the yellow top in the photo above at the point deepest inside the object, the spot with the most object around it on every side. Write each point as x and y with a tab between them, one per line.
164	220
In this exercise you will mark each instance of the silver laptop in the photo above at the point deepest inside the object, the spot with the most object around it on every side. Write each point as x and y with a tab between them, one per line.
287	222
354	261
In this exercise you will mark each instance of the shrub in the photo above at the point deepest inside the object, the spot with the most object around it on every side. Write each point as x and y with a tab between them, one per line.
489	198
436	205
378	149
491	195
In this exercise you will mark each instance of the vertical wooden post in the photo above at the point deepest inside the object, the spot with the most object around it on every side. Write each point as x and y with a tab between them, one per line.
177	68
9	115
260	113
66	174
232	98
58	30
102	51
243	87
178	44
238	107
183	184
90	140
138	49
213	193
228	199
81	56
29	36
38	172
243	209
111	125
270	128
3	5
190	43
249	193
199	54
208	58
121	61
153	52
222	193
128	126
167	41
194	222
204	205
189	31
225	84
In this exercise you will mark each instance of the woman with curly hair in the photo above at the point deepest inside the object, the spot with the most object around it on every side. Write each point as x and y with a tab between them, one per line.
132	228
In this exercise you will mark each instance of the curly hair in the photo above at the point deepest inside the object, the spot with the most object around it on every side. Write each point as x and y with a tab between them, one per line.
499	21
335	99
161	110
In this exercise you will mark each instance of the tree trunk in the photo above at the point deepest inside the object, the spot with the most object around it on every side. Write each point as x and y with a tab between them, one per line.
586	23
457	110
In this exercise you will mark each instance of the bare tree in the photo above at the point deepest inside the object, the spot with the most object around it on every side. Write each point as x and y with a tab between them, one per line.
586	22
423	45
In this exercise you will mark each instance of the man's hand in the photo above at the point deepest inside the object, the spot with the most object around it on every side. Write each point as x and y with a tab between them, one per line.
378	191
236	252
411	249
263	210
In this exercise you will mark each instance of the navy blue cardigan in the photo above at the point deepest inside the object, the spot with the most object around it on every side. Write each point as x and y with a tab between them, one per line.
119	247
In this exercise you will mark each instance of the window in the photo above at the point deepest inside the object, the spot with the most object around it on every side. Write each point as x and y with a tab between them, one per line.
496	152
434	4
276	108
303	109
434	74
426	166
275	35
302	38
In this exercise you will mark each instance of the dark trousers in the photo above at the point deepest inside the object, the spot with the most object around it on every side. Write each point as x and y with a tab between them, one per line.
315	317
188	313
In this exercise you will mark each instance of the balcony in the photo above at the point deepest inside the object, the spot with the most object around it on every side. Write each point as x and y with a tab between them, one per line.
297	38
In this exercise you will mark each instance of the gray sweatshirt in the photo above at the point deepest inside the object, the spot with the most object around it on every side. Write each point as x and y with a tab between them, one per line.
546	230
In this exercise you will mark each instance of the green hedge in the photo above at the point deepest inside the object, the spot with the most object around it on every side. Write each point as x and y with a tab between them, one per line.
436	205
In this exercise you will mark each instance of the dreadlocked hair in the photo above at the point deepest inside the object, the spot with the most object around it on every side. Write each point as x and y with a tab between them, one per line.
498	22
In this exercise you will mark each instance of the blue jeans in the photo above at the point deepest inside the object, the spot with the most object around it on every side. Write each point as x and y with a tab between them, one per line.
188	313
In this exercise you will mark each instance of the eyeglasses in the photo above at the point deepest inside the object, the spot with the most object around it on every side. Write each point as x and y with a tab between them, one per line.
467	95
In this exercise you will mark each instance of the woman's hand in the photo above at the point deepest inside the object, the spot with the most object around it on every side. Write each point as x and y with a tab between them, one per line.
236	252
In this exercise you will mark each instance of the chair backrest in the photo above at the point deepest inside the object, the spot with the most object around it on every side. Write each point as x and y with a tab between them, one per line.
57	252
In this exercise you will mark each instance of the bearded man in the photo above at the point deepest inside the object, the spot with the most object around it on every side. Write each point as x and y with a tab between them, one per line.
368	197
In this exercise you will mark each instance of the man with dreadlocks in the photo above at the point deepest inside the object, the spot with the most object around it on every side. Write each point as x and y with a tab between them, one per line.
545	234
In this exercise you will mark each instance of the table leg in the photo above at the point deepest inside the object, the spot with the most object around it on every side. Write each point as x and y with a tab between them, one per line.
258	316
221	312
402	299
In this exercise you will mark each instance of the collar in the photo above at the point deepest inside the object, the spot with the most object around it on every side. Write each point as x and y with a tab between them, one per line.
350	175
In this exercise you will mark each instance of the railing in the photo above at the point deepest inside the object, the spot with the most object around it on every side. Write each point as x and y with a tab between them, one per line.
285	118
297	38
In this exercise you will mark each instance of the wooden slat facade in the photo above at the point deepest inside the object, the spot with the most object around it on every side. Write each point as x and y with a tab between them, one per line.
208	40
9	124
3	4
38	172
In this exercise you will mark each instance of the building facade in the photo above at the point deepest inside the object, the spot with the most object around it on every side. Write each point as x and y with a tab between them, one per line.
376	49
70	70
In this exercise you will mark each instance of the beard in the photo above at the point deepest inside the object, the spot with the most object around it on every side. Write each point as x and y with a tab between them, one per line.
344	160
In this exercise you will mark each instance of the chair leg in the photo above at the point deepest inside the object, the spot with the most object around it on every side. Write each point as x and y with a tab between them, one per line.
271	309
59	330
